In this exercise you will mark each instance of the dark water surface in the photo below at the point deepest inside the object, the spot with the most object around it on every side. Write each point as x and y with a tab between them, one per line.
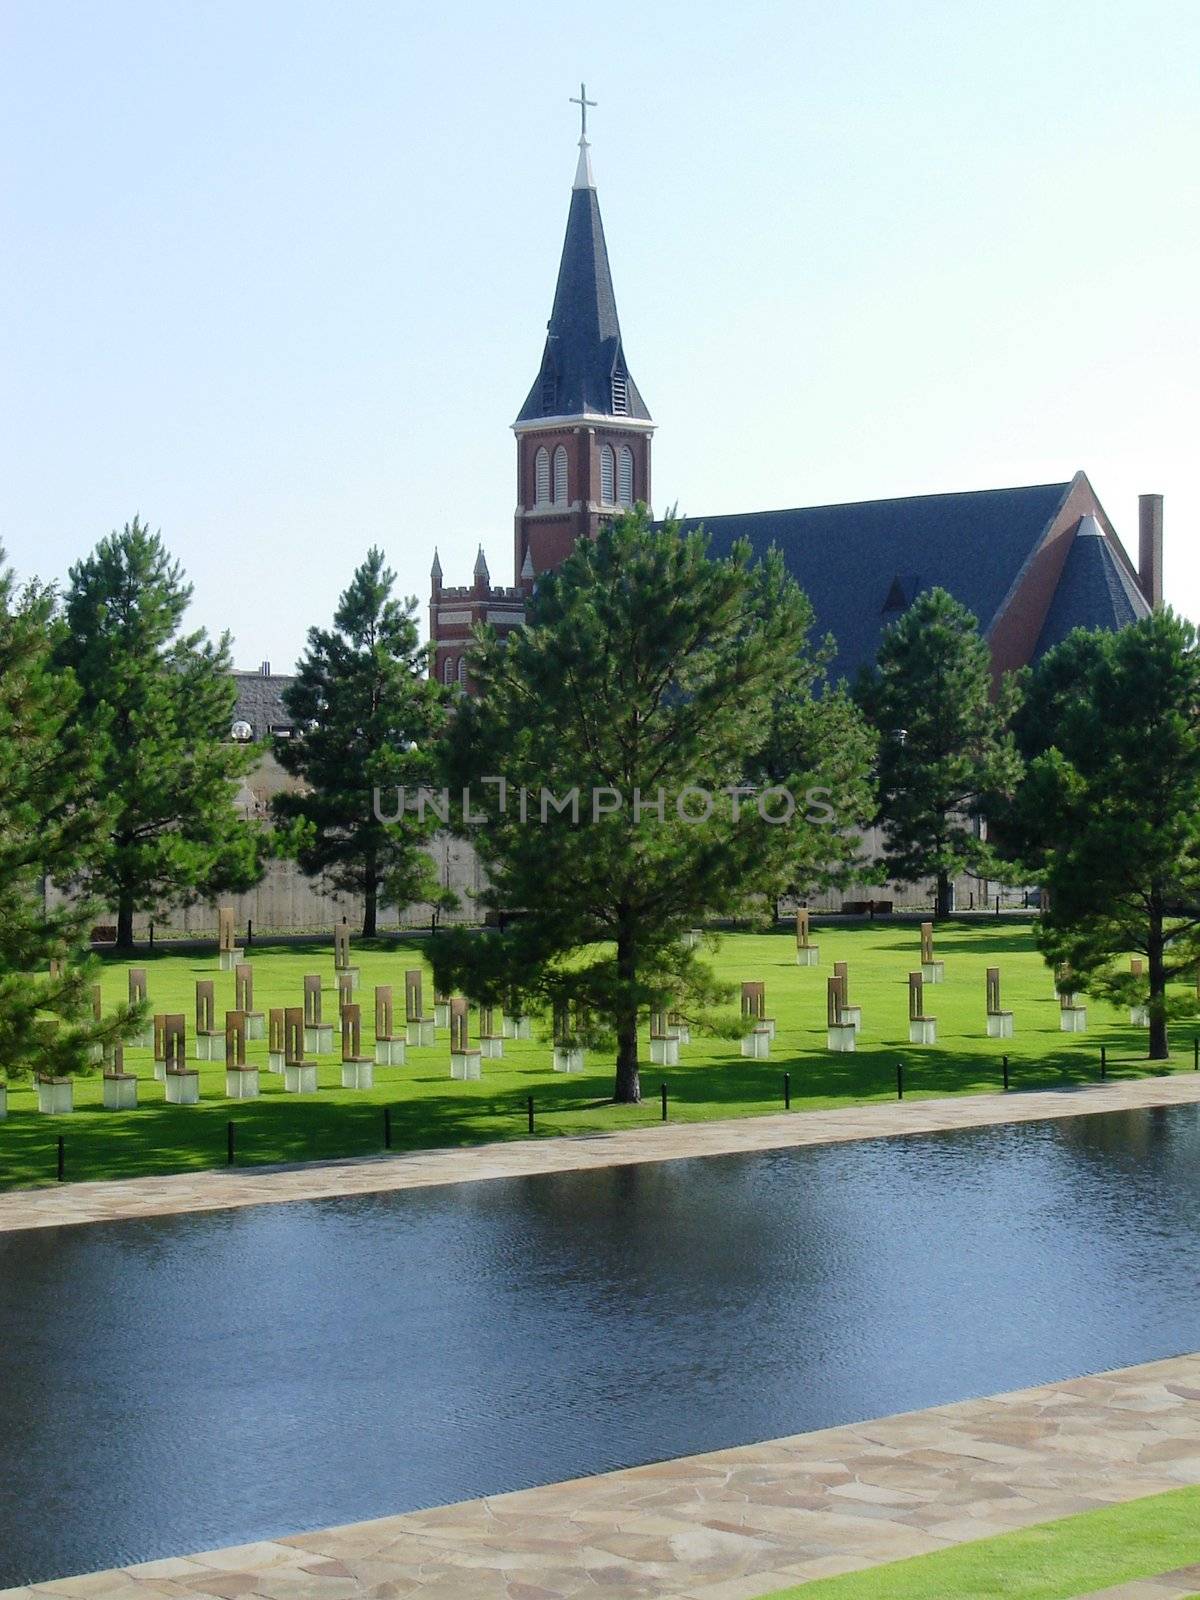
196	1381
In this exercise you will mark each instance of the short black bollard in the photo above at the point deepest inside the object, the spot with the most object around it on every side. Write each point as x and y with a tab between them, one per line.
663	1092
249	932
531	1113
1103	1061
62	1158
1004	1060
387	1127
230	1137
787	1091
899	1080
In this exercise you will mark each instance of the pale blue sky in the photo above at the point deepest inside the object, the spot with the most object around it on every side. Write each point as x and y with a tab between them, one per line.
276	275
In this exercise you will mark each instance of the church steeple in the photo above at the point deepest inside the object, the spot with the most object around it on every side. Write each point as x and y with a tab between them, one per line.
583	433
583	441
583	371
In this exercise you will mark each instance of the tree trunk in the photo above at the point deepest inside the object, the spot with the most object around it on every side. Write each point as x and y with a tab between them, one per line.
370	882
124	922
942	905
1159	1046
628	1088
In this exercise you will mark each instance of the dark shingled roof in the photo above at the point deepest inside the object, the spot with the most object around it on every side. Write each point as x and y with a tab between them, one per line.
259	702
1095	590
862	564
583	343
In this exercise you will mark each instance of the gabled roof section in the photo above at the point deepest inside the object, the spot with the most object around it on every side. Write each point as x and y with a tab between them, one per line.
904	590
583	370
856	562
1094	591
260	701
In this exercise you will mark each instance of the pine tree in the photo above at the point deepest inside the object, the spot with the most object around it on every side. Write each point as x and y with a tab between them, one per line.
1108	814
644	682
367	719
52	825
944	742
819	743
157	705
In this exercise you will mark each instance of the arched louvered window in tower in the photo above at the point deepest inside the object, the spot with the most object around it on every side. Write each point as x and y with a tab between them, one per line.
462	671
448	671
560	476
625	476
541	477
608	475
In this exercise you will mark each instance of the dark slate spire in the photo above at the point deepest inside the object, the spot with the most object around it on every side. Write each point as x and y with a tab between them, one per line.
583	366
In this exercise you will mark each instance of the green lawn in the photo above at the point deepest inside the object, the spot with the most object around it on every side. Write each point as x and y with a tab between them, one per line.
712	1080
1052	1561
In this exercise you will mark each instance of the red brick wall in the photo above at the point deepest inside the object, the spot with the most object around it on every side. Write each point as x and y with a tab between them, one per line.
551	537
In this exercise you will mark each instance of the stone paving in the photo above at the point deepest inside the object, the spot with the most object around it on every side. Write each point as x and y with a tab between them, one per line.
222	1189
739	1523
1181	1584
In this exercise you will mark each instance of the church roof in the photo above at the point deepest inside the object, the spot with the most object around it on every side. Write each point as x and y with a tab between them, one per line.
1095	590
583	371
862	564
260	701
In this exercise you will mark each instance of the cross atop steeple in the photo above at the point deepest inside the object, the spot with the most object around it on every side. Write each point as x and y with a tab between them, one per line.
583	103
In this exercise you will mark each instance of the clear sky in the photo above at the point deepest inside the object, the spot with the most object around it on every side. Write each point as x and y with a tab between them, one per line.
276	275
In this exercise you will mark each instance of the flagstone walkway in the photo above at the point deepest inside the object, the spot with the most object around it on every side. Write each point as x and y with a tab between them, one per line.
225	1188
1181	1584
739	1523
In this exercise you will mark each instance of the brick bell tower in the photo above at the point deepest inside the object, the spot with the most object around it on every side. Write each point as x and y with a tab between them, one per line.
583	434
583	441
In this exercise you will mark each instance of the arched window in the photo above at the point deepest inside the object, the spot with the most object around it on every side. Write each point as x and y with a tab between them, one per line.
560	476
462	671
541	477
608	475
448	671
625	476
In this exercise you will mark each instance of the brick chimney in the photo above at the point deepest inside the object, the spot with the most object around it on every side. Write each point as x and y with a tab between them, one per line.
1150	545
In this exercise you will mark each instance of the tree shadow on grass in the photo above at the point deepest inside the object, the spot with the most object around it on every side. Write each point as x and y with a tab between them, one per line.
278	1129
904	939
158	1139
992	943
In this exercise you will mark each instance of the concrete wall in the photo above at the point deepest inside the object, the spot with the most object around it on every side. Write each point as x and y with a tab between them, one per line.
287	901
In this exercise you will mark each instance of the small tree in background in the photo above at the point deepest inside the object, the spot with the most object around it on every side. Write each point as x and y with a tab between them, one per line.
944	742
367	718
818	738
157	706
645	679
53	824
1108	814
